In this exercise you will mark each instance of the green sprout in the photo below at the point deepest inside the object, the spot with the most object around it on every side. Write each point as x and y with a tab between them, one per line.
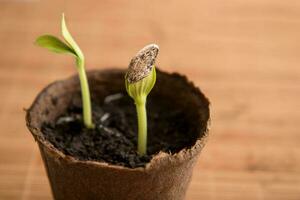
139	81
54	44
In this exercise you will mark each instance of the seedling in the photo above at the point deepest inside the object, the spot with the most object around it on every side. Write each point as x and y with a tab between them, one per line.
69	46
139	81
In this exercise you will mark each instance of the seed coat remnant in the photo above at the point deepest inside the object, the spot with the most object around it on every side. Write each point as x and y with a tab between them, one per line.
141	64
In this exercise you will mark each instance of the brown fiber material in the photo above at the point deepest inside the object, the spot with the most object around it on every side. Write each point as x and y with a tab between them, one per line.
166	177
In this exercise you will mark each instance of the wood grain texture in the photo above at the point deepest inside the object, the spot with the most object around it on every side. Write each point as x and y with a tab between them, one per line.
243	54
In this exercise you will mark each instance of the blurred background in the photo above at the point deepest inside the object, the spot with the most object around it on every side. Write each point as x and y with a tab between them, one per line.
244	54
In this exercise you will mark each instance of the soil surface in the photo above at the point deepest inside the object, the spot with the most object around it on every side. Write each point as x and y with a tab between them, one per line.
114	139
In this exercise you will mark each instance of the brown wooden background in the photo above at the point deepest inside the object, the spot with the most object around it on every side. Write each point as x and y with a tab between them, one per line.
245	55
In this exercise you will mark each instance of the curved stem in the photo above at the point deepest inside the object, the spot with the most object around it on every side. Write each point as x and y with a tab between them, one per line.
85	92
142	125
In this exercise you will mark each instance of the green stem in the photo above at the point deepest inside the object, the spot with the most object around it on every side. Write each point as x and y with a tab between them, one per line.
142	125
85	92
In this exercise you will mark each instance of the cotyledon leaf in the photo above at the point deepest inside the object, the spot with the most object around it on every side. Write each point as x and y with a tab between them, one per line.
54	44
69	39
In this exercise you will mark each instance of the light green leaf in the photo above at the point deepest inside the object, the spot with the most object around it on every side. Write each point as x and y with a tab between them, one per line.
140	90
69	39
53	44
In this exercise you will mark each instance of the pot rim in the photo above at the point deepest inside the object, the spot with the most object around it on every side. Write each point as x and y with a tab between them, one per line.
158	159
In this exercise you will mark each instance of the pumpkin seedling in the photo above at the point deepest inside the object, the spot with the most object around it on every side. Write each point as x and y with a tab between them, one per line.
139	81
69	46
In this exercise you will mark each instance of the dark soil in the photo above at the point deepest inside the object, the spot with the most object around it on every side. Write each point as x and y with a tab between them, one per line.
114	140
